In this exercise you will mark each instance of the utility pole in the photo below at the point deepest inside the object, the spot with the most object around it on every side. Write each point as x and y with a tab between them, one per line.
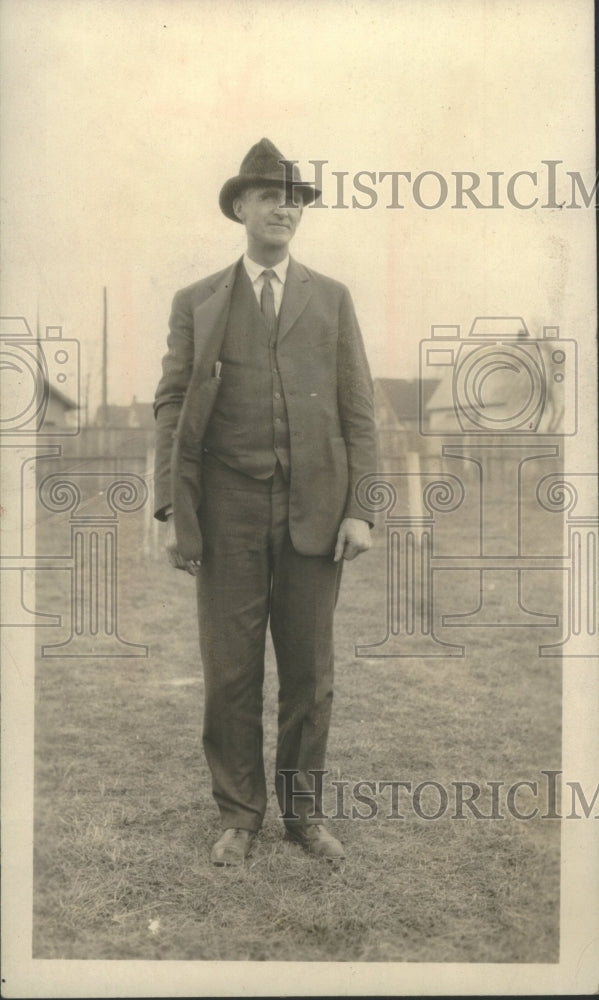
105	362
87	399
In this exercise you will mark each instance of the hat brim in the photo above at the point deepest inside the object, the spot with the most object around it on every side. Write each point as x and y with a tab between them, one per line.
232	188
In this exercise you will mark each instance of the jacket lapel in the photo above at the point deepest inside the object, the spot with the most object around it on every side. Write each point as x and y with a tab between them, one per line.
298	289
210	318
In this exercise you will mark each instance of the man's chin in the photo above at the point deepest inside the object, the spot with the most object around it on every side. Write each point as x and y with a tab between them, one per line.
278	238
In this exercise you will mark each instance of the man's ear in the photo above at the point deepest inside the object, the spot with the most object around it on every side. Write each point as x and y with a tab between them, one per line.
238	208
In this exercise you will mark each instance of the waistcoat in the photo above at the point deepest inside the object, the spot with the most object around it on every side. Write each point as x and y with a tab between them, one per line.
248	429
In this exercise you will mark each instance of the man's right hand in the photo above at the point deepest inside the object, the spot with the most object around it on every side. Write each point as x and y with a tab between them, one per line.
175	558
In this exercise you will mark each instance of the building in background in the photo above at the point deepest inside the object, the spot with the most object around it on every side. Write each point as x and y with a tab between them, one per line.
396	403
135	415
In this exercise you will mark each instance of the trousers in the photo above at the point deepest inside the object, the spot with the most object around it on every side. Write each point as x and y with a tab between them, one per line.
252	576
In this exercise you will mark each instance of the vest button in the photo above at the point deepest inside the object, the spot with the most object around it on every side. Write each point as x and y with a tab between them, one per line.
277	395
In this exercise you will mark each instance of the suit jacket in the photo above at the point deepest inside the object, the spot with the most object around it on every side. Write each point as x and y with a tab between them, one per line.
328	394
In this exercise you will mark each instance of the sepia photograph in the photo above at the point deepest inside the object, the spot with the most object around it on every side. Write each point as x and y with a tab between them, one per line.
298	437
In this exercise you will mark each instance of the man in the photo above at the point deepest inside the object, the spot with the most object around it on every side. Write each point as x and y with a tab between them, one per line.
264	427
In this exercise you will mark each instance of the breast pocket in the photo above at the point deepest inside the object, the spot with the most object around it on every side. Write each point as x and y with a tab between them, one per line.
318	339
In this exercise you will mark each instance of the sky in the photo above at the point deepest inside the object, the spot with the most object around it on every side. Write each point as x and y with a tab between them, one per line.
121	121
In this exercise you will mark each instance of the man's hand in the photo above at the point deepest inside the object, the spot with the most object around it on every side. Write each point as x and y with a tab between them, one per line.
353	537
174	556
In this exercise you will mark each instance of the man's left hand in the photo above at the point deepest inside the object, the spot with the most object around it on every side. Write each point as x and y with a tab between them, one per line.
353	537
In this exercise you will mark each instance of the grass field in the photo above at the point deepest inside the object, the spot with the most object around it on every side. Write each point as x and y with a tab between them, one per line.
124	817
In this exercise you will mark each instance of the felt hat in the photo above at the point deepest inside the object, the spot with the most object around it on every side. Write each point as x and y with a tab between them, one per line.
262	167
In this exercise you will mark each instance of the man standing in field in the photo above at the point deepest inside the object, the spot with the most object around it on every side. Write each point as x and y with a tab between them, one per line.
264	428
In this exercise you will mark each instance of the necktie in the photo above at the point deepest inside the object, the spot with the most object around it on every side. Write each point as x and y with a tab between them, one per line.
267	301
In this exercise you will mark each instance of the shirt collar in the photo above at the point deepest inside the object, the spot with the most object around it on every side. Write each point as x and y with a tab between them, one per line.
255	270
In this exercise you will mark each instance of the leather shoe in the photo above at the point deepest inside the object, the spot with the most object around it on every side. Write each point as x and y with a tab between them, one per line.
232	847
316	840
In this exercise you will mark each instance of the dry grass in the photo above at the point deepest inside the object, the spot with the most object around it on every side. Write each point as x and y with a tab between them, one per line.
125	819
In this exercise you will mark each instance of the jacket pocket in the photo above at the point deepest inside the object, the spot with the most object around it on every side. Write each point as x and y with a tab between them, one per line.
195	415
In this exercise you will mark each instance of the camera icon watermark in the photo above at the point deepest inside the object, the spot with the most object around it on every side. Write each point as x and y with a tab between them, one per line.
38	376
473	529
499	380
39	422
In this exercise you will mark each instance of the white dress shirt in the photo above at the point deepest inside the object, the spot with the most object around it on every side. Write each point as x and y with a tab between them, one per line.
256	275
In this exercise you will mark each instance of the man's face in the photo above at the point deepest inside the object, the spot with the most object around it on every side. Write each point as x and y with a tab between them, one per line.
268	222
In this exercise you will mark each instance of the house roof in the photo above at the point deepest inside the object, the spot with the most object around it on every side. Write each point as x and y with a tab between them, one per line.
497	393
60	397
403	396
